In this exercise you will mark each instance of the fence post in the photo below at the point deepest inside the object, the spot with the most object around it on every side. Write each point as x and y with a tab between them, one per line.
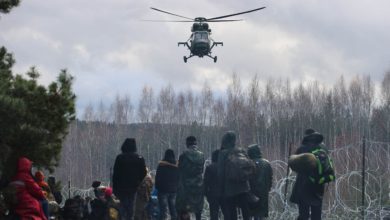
363	176
68	189
288	173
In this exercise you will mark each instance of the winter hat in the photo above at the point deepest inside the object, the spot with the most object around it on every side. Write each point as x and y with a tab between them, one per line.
312	137
169	156
309	131
129	146
228	140
108	192
254	151
190	140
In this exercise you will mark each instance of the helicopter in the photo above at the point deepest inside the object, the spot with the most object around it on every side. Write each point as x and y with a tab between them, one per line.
200	42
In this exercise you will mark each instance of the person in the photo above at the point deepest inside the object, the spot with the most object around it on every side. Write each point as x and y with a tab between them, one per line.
306	194
167	180
211	186
261	182
190	189
234	194
55	189
143	196
129	171
28	193
40	179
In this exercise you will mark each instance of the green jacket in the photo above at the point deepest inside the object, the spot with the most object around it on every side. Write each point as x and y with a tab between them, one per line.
190	189
261	183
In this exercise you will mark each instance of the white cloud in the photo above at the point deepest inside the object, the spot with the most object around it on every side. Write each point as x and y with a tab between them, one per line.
110	51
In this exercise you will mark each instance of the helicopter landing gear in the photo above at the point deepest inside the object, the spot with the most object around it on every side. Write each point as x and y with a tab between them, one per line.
186	58
214	58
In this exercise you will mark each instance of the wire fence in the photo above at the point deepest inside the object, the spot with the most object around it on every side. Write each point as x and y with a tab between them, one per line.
343	197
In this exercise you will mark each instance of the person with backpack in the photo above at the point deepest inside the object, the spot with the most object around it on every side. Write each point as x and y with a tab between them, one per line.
143	197
234	171
189	197
167	180
129	171
211	186
261	182
308	189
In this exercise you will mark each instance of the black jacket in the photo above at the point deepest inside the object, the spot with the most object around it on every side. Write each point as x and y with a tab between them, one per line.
304	191
211	181
129	171
229	188
167	177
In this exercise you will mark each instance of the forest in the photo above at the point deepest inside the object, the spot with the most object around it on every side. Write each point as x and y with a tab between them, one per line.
273	114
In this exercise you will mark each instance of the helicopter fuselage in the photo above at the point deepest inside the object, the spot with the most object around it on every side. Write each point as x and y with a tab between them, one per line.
200	43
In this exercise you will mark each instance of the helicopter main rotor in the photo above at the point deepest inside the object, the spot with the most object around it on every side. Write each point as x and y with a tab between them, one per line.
203	19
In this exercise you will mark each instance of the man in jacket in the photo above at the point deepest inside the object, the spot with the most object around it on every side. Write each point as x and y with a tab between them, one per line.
190	190
129	171
233	194
261	182
306	194
211	186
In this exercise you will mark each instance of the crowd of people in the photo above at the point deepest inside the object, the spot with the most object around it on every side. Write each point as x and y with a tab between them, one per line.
236	183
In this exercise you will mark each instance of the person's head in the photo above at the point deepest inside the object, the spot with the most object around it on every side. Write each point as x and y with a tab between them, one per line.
190	141
214	156
129	146
169	156
51	180
39	176
312	137
228	140
254	151
24	165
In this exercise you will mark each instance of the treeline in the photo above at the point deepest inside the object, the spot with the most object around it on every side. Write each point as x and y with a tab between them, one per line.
273	114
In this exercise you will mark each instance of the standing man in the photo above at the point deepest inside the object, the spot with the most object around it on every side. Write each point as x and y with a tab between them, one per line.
211	186
190	190
129	171
306	193
234	171
261	182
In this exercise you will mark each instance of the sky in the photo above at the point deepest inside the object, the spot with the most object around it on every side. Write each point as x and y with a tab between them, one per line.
110	51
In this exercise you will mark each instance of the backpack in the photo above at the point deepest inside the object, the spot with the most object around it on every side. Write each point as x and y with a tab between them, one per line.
239	168
324	172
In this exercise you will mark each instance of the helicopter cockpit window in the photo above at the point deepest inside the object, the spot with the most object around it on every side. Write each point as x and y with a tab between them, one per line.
201	35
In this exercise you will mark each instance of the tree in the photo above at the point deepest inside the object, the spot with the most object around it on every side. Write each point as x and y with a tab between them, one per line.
7	5
33	118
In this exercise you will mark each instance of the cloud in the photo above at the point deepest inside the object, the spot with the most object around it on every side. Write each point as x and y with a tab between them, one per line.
110	51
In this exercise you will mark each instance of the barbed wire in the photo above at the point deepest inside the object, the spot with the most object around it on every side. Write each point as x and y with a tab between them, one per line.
343	197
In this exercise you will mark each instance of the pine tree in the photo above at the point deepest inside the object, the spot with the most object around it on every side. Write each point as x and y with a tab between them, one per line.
33	118
7	5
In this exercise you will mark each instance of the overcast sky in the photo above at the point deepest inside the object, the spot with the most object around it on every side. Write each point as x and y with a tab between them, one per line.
109	51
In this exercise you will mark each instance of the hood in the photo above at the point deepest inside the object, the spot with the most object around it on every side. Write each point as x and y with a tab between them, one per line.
254	151
166	163
39	176
228	140
24	165
129	146
313	139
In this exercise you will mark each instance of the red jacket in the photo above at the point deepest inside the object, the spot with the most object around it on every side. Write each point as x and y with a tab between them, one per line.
28	193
